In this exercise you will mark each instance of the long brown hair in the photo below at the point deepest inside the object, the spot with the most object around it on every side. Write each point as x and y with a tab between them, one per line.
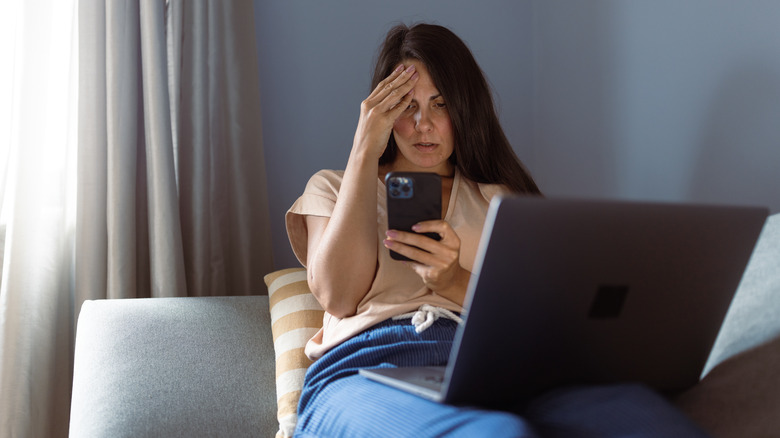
482	152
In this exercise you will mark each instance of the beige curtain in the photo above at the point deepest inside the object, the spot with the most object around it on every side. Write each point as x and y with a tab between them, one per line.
176	170
170	192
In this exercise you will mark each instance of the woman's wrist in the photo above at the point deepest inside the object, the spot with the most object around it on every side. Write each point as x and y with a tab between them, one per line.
455	291
366	152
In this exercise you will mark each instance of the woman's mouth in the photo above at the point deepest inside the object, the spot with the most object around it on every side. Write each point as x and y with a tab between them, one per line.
425	147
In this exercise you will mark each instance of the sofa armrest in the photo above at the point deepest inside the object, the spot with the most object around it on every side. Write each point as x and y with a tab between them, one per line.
752	318
198	366
740	391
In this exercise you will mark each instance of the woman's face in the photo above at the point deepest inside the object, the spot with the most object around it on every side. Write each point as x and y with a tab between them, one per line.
423	132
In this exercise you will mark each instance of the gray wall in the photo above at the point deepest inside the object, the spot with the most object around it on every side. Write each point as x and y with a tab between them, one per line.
659	100
665	99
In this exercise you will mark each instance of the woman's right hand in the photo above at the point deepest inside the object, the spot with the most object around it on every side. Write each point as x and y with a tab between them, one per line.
379	111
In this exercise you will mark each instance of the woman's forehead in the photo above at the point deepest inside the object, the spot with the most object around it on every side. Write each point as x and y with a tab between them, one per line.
425	88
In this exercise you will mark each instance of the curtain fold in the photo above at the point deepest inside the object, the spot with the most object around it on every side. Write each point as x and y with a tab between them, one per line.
166	254
122	132
167	173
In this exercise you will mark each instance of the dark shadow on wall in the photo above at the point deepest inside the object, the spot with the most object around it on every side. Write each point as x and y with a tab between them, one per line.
739	160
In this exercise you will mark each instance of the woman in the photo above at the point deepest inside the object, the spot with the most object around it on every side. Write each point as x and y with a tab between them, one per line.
430	111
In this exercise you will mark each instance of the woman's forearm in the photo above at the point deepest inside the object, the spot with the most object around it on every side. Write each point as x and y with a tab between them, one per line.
342	263
343	249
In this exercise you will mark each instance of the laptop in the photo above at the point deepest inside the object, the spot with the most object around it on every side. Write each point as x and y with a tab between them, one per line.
568	292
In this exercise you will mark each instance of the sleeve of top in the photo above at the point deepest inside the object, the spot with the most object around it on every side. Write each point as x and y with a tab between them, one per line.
318	199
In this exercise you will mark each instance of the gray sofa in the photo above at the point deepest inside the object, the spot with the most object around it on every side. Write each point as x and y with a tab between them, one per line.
205	366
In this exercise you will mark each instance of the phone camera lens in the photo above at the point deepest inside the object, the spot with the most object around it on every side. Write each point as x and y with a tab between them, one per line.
395	192
406	188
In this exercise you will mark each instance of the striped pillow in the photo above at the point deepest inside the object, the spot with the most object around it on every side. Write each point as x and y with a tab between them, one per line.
295	317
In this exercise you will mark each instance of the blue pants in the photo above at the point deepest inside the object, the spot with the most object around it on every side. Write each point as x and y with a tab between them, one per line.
337	402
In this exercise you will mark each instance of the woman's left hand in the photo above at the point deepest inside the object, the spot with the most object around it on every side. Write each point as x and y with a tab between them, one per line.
436	262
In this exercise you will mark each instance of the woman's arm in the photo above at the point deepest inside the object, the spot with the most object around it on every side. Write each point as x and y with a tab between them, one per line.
342	249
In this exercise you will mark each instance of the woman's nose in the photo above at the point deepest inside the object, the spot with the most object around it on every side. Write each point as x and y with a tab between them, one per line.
422	121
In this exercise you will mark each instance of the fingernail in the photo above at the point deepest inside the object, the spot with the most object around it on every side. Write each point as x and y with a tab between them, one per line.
387	243
391	234
410	69
415	227
399	68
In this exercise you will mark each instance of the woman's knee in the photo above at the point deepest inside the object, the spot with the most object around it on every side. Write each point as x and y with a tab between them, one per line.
609	410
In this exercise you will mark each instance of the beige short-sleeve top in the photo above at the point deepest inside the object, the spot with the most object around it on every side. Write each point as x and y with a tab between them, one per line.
396	289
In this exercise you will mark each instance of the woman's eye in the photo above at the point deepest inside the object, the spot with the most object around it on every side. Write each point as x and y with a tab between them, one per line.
440	105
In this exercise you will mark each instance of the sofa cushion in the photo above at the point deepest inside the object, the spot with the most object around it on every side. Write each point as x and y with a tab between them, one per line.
295	317
174	367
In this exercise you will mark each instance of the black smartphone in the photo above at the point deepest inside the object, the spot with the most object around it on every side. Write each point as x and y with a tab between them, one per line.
412	197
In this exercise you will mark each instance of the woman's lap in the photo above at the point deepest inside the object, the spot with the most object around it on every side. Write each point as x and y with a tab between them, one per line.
336	401
376	410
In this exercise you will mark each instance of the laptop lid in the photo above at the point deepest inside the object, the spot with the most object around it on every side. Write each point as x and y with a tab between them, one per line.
576	291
